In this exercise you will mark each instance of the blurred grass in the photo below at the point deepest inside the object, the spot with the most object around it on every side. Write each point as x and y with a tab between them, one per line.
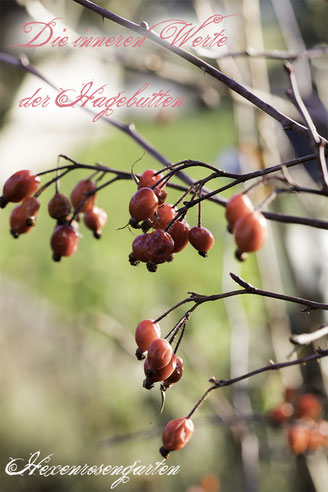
71	383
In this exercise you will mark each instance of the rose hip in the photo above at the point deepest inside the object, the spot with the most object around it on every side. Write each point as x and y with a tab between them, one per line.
159	247
147	331
80	193
148	179
59	207
64	241
176	374
30	206
139	247
309	406
95	219
159	353
19	186
281	413
201	239
251	232
18	222
298	438
238	206
155	375
180	235
161	218
176	435
143	204
161	195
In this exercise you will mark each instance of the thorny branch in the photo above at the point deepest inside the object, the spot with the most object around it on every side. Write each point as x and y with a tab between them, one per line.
220	383
319	142
286	122
130	130
247	288
276	54
207	195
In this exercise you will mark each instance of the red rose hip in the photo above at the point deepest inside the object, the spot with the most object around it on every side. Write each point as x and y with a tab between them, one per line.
309	406
95	220
298	438
19	186
238	206
64	241
139	248
80	192
164	214
155	375
161	195
176	435
18	222
143	204
201	239
176	374
59	207
281	413
147	331
148	179
159	248
159	353
251	232
180	235
30	206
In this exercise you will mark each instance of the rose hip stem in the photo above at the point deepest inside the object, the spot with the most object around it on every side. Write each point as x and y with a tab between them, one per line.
268	199
53	180
87	195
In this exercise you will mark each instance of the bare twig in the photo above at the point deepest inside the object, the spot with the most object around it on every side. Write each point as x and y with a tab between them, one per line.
319	142
143	29
276	54
220	383
307	338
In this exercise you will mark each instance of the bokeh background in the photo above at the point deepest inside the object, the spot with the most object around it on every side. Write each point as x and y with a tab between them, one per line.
70	384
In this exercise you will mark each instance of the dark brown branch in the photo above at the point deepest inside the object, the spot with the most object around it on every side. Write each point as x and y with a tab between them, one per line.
318	141
247	288
128	129
220	383
320	353
250	289
143	29
276	54
317	223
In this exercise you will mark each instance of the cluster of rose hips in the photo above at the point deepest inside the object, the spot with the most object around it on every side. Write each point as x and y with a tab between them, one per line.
162	364
23	187
306	432
249	226
170	234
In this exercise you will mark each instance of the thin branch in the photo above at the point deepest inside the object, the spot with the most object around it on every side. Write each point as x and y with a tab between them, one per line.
319	142
247	288
128	129
317	223
143	29
250	289
307	338
131	131
276	54
320	353
220	383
